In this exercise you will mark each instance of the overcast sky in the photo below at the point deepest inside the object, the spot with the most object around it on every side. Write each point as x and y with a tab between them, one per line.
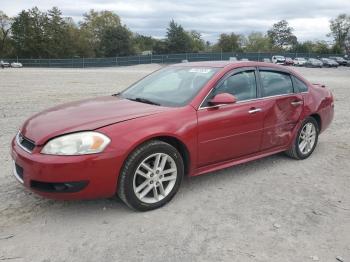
309	18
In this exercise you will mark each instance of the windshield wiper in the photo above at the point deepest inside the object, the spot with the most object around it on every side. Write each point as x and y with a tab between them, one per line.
144	100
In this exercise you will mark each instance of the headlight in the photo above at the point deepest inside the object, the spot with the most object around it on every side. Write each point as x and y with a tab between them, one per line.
81	143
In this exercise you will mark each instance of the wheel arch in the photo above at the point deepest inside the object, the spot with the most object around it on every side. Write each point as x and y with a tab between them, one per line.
318	120
173	141
181	147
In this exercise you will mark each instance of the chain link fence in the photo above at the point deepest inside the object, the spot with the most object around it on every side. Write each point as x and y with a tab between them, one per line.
149	59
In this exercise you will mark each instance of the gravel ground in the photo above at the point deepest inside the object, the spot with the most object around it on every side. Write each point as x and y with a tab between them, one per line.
272	209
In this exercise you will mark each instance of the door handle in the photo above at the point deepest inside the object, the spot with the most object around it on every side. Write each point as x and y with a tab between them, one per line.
297	103
254	110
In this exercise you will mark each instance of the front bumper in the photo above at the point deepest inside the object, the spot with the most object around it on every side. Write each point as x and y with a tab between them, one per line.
66	177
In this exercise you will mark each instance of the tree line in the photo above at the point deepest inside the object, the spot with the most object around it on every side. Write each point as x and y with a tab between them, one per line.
48	34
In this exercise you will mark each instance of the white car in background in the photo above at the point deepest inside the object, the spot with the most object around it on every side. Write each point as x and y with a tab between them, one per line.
16	65
4	64
278	59
299	61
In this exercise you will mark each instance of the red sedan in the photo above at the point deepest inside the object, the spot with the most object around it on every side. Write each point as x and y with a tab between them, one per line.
185	119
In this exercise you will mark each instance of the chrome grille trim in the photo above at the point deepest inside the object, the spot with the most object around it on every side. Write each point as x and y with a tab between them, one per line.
19	140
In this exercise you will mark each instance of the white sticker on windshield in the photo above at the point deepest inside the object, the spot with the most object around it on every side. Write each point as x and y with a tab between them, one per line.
200	70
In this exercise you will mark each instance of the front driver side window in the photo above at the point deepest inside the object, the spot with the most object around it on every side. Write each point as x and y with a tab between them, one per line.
242	85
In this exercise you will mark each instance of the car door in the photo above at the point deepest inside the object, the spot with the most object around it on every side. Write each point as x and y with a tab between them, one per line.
283	107
231	131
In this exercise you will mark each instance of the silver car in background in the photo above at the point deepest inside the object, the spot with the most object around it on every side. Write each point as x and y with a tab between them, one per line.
329	62
313	62
299	61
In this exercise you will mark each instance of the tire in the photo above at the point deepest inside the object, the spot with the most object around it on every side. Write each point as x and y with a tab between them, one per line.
139	172
296	150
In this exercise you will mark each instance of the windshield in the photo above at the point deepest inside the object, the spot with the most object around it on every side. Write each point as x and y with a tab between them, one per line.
172	86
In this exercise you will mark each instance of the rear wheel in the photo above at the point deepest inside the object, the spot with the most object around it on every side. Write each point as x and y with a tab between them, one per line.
151	176
305	141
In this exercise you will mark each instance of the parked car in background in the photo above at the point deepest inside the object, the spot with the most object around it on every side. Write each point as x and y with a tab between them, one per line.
233	58
329	62
289	61
140	143
244	59
313	62
16	65
340	60
299	61
4	64
278	59
267	60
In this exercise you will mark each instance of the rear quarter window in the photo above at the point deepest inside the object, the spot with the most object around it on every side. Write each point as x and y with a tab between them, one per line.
299	85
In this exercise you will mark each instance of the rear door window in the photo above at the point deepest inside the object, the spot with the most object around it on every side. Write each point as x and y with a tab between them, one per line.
275	83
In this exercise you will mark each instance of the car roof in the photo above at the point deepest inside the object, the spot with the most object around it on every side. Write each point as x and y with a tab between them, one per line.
219	64
228	64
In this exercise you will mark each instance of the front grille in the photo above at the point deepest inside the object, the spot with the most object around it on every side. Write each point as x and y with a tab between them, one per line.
25	143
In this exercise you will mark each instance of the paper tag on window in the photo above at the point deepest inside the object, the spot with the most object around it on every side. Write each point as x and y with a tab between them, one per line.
200	70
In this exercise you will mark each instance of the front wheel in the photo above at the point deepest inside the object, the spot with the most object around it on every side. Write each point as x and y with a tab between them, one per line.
151	176
305	141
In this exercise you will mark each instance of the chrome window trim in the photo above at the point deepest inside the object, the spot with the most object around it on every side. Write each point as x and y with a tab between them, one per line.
249	100
19	144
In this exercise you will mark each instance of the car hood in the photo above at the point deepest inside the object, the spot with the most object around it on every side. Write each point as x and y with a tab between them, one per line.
84	115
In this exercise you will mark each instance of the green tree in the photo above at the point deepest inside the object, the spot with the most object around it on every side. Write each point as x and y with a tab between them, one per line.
281	35
340	30
178	40
5	30
161	47
208	46
117	41
56	35
74	44
229	43
197	43
318	47
39	34
321	47
257	42
144	43
305	47
28	33
94	27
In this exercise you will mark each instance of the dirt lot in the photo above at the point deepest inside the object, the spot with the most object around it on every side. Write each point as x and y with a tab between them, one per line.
273	209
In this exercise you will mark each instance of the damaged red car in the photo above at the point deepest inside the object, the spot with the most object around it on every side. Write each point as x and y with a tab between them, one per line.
183	120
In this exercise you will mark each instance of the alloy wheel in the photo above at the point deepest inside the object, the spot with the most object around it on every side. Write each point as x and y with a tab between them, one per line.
155	178
307	138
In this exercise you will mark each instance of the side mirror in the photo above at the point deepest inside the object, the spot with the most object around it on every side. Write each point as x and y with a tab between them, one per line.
223	99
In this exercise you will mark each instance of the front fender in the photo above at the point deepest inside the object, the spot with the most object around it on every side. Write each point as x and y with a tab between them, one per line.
180	123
